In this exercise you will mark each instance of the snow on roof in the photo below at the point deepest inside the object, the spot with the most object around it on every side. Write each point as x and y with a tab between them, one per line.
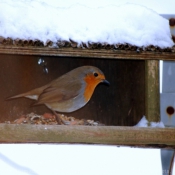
125	24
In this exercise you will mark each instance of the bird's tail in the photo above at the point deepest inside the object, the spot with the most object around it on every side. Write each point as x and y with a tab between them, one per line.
33	94
27	95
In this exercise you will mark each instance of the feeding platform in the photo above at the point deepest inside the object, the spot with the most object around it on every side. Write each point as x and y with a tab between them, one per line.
29	61
134	92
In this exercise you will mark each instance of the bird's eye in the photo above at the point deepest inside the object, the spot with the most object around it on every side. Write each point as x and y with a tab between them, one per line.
95	74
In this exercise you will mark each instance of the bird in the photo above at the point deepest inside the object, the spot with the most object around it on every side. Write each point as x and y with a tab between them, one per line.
68	92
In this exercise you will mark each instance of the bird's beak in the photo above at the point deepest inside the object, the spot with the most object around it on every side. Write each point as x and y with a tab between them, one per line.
106	82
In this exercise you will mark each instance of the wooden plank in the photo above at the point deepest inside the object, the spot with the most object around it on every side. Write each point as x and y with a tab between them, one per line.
108	135
152	93
91	53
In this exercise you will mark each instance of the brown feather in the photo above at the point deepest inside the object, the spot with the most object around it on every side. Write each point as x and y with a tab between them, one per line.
59	92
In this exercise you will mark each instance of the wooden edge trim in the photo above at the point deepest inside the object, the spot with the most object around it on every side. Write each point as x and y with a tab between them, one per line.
91	53
106	135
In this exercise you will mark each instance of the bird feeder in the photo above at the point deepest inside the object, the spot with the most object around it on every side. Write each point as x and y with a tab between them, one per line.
133	73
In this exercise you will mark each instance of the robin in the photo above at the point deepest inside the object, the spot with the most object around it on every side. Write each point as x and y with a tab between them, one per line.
69	92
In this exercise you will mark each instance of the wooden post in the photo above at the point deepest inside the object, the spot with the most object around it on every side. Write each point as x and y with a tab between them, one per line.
152	94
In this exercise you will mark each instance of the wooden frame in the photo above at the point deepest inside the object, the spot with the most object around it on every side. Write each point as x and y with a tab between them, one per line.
109	135
78	52
105	135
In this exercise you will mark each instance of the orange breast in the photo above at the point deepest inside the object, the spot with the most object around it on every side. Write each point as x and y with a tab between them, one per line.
91	83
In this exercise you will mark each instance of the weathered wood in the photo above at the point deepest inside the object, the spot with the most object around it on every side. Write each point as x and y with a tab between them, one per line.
152	93
91	53
108	135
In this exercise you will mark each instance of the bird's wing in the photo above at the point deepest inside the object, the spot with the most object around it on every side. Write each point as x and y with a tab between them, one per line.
58	94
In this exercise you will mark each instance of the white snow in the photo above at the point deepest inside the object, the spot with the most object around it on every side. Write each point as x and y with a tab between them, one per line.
144	123
128	23
45	159
157	125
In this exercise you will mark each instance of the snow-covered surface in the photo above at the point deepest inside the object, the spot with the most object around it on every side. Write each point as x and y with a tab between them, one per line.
144	123
33	159
128	23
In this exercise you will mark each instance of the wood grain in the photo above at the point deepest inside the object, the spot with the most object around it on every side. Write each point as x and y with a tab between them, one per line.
152	92
91	53
105	135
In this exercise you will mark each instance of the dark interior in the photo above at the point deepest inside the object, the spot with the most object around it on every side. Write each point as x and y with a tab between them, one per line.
122	103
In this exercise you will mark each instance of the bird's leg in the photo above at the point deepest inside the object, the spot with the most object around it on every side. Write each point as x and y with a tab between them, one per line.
58	118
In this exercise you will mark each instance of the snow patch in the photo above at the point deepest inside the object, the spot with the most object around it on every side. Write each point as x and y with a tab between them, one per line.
144	123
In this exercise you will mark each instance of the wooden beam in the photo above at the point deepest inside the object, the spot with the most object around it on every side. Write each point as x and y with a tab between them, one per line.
152	94
107	135
91	53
